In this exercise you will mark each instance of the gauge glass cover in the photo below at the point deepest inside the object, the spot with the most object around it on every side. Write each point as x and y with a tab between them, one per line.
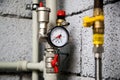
59	36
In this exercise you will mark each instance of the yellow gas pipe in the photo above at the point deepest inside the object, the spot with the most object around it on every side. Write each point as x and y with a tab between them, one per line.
97	21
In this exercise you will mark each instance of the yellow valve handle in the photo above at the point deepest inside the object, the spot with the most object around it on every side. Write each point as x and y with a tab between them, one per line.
88	21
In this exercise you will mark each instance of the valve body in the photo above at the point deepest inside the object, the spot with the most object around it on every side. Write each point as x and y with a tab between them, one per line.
43	19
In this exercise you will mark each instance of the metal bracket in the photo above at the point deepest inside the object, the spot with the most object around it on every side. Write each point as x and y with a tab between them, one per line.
32	6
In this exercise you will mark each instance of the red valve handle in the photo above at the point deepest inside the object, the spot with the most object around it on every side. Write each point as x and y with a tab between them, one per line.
61	13
56	69
41	4
54	63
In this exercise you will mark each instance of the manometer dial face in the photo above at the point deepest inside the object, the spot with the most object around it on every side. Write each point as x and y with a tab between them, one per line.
58	37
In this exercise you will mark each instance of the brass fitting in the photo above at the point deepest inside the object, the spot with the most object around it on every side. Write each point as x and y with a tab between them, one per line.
62	22
98	28
59	22
61	18
97	21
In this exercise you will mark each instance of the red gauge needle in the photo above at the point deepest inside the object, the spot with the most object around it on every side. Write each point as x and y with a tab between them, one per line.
59	36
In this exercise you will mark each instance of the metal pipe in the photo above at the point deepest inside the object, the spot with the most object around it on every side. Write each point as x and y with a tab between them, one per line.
98	62
35	40
98	38
98	69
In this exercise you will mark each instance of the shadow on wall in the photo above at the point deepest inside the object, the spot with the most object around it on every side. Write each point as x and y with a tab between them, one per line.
66	60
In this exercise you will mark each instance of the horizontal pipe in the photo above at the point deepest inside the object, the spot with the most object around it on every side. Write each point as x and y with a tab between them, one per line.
8	65
18	66
21	66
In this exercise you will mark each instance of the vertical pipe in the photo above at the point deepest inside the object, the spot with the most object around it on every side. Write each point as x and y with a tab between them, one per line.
98	69
98	38
52	4
35	41
98	4
98	35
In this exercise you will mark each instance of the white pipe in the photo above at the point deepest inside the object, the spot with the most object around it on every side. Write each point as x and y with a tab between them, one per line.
21	66
35	36
7	65
36	66
18	66
52	18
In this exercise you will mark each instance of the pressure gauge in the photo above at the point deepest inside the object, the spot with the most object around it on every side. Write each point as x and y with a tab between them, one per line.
58	36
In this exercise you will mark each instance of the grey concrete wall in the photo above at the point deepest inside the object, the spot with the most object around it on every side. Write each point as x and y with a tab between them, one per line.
16	39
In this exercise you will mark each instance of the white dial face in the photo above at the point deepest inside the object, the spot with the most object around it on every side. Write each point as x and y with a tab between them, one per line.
59	36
